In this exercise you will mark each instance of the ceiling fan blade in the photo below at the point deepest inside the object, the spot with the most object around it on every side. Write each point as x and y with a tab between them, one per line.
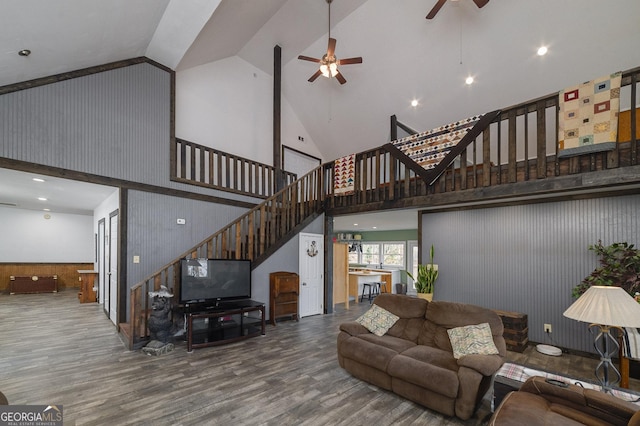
314	76
348	61
436	8
481	3
340	78
332	47
308	58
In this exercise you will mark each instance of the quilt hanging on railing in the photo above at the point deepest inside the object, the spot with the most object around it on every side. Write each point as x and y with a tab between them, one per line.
430	147
344	175
588	116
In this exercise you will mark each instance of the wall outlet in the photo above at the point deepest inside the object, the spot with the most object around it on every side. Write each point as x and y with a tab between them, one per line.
547	328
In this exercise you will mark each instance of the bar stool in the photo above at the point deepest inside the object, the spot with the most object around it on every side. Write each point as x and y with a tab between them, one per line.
374	290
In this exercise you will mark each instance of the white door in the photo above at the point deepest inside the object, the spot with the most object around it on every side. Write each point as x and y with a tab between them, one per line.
311	272
113	268
101	257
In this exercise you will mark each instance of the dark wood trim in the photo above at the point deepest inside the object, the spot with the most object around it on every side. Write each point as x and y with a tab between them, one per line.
277	117
328	264
123	255
603	183
43	81
25	166
173	155
420	237
406	160
406	128
394	127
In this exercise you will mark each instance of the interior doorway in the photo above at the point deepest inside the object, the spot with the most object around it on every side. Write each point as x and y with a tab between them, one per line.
311	270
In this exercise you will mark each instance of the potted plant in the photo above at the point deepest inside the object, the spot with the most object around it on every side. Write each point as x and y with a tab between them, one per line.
619	266
427	276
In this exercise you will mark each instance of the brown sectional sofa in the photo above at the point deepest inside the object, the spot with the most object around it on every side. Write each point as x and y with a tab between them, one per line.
415	359
539	402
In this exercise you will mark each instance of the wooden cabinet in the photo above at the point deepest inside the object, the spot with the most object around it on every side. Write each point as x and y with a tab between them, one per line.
341	274
33	284
284	289
87	292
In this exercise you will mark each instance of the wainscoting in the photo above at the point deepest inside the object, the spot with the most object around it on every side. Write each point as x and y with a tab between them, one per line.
67	272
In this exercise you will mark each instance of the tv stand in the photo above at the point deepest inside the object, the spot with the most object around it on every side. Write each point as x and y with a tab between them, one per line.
223	322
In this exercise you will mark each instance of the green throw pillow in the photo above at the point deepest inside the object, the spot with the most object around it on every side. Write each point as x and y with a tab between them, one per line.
377	320
472	339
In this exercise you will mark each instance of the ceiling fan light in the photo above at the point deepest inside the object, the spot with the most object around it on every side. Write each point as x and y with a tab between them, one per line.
333	68
324	69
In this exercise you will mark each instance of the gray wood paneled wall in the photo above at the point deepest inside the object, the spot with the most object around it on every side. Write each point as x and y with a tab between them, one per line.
116	124
528	258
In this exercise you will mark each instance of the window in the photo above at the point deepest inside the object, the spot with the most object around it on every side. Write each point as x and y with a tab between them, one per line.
393	254
376	253
354	253
371	253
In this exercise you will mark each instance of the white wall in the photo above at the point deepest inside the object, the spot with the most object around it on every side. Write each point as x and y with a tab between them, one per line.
28	237
228	105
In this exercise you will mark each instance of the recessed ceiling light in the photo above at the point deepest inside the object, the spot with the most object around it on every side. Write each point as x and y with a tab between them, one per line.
38	180
42	199
24	52
47	210
542	50
414	103
469	80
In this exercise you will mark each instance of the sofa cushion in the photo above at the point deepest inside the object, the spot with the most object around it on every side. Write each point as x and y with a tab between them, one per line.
472	340
427	367
367	353
410	310
441	316
395	343
377	320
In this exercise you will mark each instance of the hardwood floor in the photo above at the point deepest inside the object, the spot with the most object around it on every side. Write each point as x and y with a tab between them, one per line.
55	350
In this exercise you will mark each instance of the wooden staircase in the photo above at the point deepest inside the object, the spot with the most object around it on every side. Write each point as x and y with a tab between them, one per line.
254	236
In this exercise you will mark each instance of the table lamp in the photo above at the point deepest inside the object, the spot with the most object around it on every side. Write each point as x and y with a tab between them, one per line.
606	307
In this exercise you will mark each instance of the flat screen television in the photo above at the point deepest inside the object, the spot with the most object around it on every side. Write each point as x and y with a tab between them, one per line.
213	280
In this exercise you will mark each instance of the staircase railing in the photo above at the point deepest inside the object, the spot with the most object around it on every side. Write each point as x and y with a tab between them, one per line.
204	166
254	236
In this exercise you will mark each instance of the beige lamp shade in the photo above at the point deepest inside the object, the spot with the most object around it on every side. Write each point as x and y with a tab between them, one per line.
606	305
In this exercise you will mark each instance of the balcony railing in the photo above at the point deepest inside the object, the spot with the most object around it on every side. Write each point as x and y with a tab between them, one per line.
204	166
520	145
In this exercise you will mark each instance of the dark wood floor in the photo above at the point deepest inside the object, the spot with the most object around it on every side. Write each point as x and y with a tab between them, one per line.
55	350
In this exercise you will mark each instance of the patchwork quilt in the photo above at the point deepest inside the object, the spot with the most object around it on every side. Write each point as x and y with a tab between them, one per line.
588	116
344	175
430	147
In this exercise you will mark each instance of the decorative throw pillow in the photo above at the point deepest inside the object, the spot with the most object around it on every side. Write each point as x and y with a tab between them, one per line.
472	339
377	320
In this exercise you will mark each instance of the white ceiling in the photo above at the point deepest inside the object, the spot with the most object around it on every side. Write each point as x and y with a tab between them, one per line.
20	191
390	220
405	56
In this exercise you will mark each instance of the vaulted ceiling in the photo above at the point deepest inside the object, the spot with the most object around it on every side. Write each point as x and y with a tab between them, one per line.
406	57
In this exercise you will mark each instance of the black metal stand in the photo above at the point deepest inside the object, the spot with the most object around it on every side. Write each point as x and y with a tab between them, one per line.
606	346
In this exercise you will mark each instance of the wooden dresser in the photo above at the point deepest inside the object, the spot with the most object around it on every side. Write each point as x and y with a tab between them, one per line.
284	289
